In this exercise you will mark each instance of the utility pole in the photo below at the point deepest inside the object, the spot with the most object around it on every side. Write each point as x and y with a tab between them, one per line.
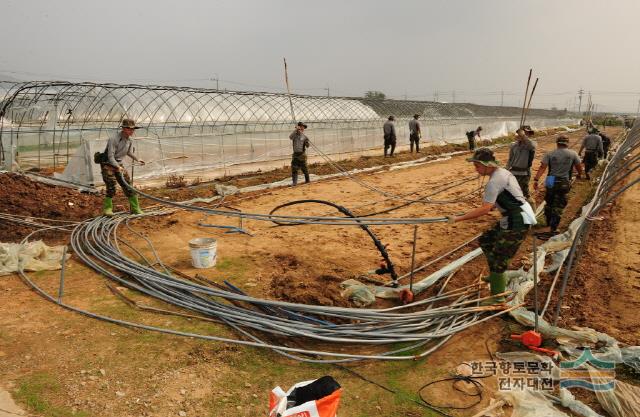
216	79
453	96
580	92
502	98
638	110
435	96
328	95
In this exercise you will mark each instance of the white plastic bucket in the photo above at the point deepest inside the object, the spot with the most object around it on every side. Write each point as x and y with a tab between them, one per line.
203	252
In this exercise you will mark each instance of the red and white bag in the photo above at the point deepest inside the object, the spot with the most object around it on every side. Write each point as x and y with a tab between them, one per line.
326	406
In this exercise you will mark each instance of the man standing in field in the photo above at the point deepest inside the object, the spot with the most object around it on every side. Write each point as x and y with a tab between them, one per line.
561	163
500	243
389	130
415	133
300	144
592	146
521	154
119	145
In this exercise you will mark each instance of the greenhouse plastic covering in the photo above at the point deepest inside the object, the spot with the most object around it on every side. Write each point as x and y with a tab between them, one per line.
54	124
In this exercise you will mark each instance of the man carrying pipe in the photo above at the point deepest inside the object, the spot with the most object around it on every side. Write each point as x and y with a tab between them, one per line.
415	133
500	243
592	146
521	154
389	132
300	144
561	163
119	145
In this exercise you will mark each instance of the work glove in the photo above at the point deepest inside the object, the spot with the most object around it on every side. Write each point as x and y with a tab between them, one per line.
451	219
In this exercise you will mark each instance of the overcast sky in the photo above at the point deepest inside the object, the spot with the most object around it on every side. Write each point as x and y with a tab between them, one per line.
413	48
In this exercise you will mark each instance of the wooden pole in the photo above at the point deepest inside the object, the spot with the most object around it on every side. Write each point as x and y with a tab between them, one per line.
526	92
286	80
533	90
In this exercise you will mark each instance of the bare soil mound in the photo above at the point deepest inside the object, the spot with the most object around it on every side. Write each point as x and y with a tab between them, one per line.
19	195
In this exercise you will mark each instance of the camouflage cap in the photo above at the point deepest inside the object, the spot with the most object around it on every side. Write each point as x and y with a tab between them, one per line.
129	124
485	157
562	140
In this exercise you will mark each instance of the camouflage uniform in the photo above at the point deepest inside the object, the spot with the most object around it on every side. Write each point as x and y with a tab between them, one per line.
556	200
523	182
500	245
110	177
299	162
561	163
592	145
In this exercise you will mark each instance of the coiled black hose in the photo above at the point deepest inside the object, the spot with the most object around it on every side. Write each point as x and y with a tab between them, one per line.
389	268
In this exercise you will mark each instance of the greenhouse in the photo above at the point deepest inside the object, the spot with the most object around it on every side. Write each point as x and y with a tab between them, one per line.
57	126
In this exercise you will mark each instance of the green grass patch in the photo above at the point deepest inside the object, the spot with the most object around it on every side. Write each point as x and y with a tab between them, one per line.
237	265
33	392
116	309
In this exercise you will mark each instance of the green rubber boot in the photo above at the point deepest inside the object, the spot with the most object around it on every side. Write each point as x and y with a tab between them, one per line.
134	206
498	283
107	206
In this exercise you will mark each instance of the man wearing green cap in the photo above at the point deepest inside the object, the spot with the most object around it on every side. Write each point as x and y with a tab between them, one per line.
500	243
119	145
561	164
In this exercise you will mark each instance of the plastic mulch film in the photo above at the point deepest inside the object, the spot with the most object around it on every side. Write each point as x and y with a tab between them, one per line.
565	398
33	256
528	403
622	401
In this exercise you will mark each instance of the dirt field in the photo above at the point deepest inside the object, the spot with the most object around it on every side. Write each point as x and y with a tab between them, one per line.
57	363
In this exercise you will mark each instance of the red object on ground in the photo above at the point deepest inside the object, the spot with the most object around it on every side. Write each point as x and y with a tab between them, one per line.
406	296
533	340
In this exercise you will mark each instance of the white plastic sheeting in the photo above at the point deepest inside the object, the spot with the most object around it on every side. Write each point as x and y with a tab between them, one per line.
33	256
193	151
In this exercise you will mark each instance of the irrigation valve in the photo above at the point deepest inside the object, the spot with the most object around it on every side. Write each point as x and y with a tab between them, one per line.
533	340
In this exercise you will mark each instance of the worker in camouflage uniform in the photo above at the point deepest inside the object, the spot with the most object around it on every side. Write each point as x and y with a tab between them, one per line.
592	146
300	144
500	243
521	154
561	163
119	145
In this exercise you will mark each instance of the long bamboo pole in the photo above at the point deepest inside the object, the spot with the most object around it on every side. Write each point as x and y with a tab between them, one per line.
526	111
526	92
286	80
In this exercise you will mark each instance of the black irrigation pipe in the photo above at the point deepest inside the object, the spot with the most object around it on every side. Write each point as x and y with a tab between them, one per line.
381	248
95	243
333	221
